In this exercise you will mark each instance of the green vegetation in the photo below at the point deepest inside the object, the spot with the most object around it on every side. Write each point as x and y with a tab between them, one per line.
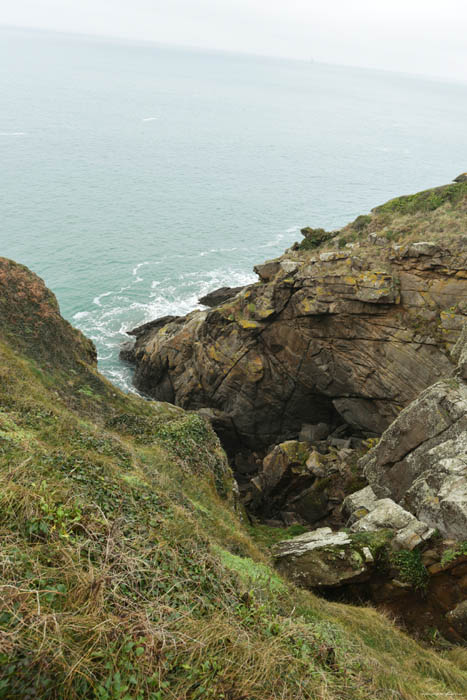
410	568
266	536
425	201
314	238
361	222
450	555
438	215
126	571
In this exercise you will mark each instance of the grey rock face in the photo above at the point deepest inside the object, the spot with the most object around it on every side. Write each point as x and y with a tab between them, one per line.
421	460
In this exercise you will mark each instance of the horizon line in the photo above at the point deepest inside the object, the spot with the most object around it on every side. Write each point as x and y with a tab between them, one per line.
233	52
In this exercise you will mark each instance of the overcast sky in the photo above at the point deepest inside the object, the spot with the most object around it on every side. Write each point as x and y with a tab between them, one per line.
415	36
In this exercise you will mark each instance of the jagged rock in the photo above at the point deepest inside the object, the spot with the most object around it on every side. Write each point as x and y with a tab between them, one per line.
323	558
155	325
316	465
461	178
268	270
219	296
421	460
284	458
296	478
127	352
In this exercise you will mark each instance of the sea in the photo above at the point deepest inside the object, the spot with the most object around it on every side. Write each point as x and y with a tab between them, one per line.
136	177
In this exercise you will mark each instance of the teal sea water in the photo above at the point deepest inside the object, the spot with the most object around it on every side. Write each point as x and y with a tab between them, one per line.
136	177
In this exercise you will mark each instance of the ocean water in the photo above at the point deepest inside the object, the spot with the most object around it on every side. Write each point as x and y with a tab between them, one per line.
135	177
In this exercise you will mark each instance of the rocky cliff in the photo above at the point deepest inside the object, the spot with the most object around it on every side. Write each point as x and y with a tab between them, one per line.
348	328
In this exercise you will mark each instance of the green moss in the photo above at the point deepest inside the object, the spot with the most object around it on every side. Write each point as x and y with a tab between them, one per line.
266	536
410	568
377	542
251	572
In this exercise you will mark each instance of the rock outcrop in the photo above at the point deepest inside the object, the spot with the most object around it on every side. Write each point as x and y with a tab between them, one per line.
418	494
219	296
30	320
421	459
347	336
342	335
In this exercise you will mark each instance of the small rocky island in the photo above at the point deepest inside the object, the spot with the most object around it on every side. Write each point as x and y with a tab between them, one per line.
338	386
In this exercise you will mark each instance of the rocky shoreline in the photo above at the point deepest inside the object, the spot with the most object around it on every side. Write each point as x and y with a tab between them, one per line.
337	384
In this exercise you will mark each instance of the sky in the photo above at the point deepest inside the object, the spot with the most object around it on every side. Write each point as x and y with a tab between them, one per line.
426	37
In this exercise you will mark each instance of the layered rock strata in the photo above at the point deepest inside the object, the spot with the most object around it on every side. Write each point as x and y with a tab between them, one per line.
337	336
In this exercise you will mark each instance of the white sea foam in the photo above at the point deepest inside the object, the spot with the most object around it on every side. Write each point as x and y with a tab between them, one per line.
13	133
149	119
97	300
140	265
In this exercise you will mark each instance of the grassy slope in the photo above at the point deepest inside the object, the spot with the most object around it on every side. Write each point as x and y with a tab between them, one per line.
126	572
438	214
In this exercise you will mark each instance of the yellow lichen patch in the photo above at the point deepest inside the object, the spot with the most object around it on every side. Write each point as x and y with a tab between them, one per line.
214	353
252	365
310	305
247	323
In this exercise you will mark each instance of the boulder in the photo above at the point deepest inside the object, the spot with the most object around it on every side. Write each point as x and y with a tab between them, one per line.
384	514
312	504
323	558
359	503
283	459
